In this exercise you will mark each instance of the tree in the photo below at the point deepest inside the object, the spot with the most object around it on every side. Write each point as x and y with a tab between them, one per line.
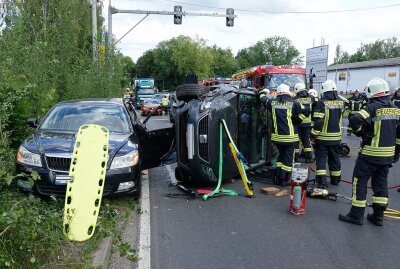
379	49
172	59
276	50
224	63
341	56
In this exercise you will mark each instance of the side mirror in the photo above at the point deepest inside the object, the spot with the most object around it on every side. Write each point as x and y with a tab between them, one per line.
32	123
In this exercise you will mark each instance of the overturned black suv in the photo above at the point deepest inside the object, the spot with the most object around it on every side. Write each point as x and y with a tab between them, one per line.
197	123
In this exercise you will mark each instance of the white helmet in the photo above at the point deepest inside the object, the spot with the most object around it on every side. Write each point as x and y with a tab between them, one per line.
377	87
313	92
299	87
265	91
328	86
283	89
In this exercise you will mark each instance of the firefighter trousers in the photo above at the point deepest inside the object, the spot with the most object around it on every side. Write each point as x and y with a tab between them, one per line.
330	153
285	161
304	137
363	171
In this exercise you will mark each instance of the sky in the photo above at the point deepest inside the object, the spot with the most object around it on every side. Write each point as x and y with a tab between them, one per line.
348	29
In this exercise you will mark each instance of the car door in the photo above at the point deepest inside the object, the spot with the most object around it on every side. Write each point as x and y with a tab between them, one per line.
156	146
155	142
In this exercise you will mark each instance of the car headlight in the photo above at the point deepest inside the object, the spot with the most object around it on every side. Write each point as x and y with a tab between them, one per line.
205	106
26	157
127	160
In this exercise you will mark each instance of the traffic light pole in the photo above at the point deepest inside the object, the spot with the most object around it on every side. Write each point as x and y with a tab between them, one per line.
177	13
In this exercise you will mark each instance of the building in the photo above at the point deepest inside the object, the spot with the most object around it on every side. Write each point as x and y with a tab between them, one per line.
352	76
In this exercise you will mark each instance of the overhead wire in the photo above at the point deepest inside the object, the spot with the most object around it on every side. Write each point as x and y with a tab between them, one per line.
287	12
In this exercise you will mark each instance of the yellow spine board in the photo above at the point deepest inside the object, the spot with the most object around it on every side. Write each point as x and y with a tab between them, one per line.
241	171
84	191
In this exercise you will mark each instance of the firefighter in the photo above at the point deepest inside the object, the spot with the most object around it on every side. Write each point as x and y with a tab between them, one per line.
396	98
378	126
353	105
286	115
307	101
314	93
327	134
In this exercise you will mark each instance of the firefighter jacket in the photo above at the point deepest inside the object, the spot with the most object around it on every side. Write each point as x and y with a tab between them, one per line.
396	100
307	101
355	104
327	117
379	126
286	115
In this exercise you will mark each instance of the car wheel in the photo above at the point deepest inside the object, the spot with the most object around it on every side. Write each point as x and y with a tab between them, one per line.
136	194
187	92
182	176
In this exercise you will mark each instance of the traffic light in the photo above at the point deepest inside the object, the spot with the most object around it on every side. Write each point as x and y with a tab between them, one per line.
230	17
178	15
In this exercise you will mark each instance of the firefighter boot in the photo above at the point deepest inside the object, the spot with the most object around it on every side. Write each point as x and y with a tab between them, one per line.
276	176
308	157
335	180
321	182
355	216
377	217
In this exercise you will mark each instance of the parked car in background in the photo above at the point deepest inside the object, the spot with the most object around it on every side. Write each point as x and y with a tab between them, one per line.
131	147
148	104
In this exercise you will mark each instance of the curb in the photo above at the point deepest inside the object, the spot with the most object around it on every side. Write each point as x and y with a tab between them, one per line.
101	257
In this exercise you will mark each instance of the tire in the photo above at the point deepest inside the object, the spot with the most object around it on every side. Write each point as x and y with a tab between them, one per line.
187	92
181	176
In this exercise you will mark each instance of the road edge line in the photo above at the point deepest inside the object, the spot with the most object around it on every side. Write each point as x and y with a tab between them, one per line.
144	250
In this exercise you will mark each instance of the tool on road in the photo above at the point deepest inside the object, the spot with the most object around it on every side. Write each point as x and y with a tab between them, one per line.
324	194
298	189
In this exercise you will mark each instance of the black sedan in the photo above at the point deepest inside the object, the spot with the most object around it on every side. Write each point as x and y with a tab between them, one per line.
131	147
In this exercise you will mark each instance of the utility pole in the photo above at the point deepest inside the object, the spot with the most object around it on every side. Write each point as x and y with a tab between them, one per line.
94	29
109	41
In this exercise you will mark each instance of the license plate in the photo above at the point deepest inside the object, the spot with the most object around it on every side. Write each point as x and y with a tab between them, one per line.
62	180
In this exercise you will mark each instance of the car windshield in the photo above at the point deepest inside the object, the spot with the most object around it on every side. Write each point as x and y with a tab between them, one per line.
289	79
151	102
70	117
158	97
145	91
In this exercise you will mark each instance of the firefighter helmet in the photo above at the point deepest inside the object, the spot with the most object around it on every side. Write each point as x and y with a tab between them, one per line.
328	86
283	89
313	92
299	87
377	87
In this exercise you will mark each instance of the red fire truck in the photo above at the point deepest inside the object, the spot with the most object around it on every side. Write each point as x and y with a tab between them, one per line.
270	76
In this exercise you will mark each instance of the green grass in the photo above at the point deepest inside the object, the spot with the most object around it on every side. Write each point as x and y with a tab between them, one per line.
31	233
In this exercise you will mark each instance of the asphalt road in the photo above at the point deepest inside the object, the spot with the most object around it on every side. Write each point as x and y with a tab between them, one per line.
238	232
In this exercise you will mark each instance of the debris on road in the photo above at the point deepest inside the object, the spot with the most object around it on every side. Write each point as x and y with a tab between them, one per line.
269	190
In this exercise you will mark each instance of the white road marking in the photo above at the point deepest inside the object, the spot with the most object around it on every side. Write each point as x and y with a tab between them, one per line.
144	251
171	175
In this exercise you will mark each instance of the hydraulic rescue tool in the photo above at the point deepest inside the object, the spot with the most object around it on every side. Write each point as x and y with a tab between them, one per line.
332	196
298	189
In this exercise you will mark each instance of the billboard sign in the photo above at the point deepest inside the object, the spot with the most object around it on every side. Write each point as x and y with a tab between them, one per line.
316	64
